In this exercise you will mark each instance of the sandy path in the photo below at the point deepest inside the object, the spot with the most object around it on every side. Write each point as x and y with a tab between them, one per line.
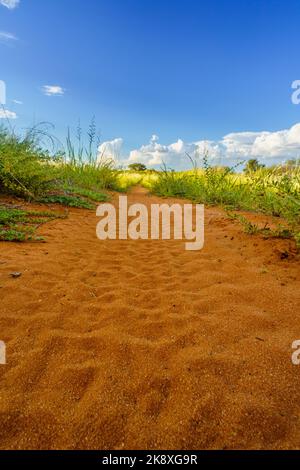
145	345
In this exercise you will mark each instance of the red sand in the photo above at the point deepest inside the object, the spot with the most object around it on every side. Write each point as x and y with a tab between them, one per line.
141	344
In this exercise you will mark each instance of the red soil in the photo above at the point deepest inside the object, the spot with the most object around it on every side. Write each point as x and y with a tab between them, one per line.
141	344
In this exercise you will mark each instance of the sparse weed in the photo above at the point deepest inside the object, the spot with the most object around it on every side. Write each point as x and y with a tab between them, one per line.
21	225
267	232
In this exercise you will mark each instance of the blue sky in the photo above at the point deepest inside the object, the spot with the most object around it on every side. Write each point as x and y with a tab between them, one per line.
187	72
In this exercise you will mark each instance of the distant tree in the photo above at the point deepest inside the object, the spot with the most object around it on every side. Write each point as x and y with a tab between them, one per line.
225	169
292	162
253	165
137	167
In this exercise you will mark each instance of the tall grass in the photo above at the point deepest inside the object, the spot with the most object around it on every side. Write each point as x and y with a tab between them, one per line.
24	165
29	171
82	166
74	177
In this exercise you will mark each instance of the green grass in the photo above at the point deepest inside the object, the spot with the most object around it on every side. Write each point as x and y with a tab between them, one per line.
253	229
271	191
24	167
69	201
72	178
89	194
76	177
21	225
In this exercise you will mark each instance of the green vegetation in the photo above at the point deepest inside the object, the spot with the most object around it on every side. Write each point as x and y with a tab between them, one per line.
78	177
24	167
89	194
75	177
70	201
21	225
272	191
253	229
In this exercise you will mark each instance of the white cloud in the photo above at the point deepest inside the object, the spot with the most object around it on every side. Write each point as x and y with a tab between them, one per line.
6	37
6	114
17	102
10	4
280	144
150	154
155	154
237	146
110	149
53	90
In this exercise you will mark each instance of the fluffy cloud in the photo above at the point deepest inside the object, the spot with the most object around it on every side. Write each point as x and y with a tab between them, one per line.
150	154
269	146
155	154
10	4
6	114
110	150
7	37
53	90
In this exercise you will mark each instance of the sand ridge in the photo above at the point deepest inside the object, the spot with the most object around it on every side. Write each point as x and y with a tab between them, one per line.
143	345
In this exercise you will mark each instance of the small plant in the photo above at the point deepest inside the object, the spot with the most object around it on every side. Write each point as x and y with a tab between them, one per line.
21	225
266	231
87	193
70	201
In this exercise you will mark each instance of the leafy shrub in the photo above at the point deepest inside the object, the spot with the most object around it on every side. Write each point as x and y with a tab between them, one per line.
70	201
20	225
